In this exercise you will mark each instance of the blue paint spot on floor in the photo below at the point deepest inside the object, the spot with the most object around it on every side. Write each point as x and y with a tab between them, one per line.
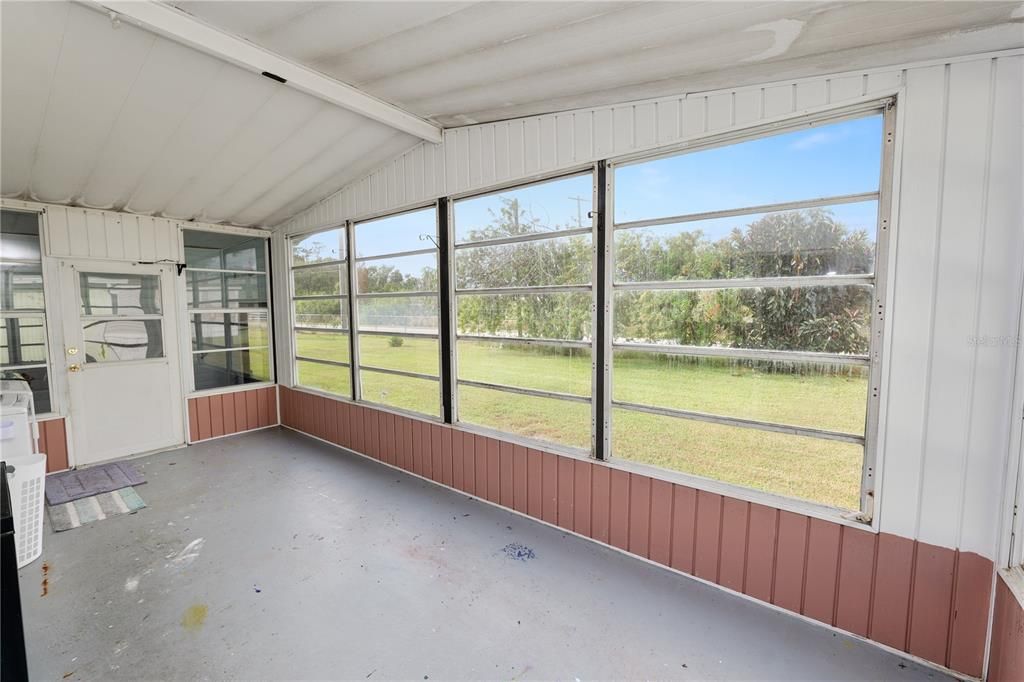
514	550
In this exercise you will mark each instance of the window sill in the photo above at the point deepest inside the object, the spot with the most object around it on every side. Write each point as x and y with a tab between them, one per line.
230	389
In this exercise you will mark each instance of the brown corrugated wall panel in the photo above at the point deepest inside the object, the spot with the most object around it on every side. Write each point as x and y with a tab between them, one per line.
967	638
228	412
193	422
203	414
600	504
53	442
853	604
506	475
708	530
822	570
619	510
760	568
927	600
216	415
661	522
640	515
566	481
1006	660
791	537
223	414
931	603
732	556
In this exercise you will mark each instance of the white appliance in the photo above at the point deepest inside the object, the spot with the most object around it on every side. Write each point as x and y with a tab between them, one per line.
19	432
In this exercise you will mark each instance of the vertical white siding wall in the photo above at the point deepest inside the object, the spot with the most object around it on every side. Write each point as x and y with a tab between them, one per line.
957	268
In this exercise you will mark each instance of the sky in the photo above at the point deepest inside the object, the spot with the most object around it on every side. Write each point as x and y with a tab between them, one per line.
821	161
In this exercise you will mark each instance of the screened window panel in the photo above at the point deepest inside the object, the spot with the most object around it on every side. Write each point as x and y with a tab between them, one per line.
827	160
231	368
545	419
559	369
322	247
322	280
221	290
328	378
37	378
22	340
400	274
118	294
544	262
812	469
820	241
322	345
539	315
21	286
400	353
326	313
122	340
406	393
399	314
213	331
413	231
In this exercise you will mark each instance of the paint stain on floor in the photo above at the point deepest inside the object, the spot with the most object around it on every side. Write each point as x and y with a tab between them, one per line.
194	617
46	580
514	550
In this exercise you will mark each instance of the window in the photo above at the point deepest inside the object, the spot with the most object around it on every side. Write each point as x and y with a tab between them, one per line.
228	312
121	317
523	291
744	279
397	311
23	352
320	308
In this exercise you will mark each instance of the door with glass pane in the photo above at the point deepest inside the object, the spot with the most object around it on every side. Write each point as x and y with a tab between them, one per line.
121	357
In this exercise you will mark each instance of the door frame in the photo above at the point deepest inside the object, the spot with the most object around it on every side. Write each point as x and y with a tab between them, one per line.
70	317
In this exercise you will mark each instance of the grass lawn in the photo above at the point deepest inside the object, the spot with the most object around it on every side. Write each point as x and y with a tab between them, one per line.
822	471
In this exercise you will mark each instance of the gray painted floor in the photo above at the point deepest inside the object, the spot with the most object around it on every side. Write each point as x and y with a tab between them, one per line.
272	555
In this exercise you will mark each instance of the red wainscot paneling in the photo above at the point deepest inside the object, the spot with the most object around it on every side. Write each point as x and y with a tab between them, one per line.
53	441
928	601
1006	660
222	414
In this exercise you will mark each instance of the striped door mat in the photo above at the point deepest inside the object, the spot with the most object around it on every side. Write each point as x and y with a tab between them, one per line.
95	508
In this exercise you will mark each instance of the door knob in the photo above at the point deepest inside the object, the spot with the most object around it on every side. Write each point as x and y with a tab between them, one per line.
74	368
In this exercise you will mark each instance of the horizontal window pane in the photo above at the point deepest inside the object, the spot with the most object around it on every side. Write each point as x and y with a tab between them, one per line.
829	397
22	340
329	378
564	261
226	290
320	247
325	280
37	381
820	319
407	393
556	421
821	161
407	273
552	206
547	368
399	314
540	316
211	331
837	240
120	340
222	251
401	353
404	232
19	236
822	471
119	294
231	368
331	346
329	313
21	287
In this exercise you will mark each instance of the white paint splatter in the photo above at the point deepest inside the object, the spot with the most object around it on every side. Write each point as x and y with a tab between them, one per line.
786	32
131	584
187	555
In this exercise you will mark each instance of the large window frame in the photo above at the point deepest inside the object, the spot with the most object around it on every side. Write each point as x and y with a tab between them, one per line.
190	311
456	292
36	313
602	291
357	296
344	306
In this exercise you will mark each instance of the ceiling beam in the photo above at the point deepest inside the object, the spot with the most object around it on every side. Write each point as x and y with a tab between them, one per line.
182	27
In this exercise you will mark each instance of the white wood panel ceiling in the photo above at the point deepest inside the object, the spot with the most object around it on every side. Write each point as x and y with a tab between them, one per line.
458	62
116	117
119	118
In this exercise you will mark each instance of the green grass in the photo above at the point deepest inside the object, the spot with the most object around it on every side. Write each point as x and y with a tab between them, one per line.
819	470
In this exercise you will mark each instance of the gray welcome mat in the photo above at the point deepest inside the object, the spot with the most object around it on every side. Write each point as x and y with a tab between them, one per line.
69	486
95	508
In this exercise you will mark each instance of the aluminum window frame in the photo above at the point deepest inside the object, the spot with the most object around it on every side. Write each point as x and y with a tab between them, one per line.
41	313
186	336
344	304
355	297
885	106
455	293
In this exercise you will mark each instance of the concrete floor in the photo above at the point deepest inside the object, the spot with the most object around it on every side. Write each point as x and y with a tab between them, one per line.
272	555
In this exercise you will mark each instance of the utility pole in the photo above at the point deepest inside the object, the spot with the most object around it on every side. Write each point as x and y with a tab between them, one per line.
579	209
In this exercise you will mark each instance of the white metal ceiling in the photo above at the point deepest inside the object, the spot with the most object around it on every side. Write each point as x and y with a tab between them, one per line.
104	114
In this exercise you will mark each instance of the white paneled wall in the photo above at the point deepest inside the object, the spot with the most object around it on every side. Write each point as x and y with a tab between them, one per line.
958	269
